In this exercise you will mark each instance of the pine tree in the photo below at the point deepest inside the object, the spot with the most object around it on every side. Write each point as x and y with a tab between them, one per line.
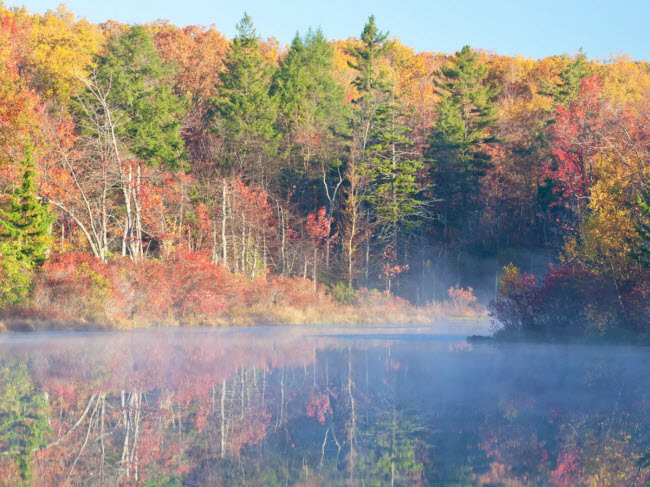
24	236
386	164
25	225
136	79
393	169
464	115
370	82
311	101
567	88
244	111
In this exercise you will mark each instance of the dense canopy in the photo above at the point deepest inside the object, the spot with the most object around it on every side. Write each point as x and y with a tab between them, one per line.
355	163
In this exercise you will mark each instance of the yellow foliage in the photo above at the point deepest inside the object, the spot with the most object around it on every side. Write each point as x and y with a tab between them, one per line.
610	232
624	80
61	50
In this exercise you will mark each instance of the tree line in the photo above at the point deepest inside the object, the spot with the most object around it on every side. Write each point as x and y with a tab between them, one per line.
358	161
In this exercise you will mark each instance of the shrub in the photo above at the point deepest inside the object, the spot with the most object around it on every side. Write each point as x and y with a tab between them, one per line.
571	302
515	306
342	294
462	298
15	280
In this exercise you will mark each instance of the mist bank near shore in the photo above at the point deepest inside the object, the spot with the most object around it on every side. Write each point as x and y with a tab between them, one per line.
320	405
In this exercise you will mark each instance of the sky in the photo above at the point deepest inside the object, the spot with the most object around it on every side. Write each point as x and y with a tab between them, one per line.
531	28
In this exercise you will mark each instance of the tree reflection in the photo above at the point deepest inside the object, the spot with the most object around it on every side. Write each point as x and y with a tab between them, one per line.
291	408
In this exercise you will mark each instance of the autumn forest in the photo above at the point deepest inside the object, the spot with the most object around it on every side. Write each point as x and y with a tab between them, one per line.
160	174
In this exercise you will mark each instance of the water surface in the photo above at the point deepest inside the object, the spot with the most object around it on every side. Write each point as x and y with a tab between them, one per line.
320	406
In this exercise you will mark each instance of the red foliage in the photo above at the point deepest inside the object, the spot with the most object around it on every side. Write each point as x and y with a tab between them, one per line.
389	268
319	407
462	298
319	226
576	141
568	472
187	286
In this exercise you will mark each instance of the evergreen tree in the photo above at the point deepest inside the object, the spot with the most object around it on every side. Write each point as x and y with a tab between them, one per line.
137	82
25	225
25	236
24	417
372	91
244	110
311	101
465	114
393	172
567	88
370	82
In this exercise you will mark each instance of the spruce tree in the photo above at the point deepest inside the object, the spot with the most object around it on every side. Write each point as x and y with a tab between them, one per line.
148	113
244	112
371	92
312	103
393	168
24	236
370	82
456	154
566	89
25	225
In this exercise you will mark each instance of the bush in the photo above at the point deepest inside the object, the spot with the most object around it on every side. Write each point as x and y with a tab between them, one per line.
515	306
15	280
462	299
342	294
571	302
186	288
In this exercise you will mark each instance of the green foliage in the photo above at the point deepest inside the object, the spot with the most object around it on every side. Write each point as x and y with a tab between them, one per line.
343	294
373	47
25	232
388	156
244	111
465	114
393	456
25	225
24	425
311	102
149	114
567	88
15	278
393	171
371	83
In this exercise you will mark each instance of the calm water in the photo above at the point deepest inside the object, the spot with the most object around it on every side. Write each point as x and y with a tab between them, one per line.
319	406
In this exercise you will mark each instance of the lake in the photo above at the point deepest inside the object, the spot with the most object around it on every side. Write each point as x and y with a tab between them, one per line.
320	406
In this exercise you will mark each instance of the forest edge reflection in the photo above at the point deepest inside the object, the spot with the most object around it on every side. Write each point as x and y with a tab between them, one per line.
319	407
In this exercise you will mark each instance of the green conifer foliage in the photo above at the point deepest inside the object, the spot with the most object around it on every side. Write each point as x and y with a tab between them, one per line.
370	82
25	225
465	113
25	238
566	89
311	101
149	113
244	111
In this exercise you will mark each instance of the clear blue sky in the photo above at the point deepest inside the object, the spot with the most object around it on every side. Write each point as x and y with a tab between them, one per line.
532	28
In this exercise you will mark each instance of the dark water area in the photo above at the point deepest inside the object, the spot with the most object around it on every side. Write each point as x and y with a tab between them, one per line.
320	406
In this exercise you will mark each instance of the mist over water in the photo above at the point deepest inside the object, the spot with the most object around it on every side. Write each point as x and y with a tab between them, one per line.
320	406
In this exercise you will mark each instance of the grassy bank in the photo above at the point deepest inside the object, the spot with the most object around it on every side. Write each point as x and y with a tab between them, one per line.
78	292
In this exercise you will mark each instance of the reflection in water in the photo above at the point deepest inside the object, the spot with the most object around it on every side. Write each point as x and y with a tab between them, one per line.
307	407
